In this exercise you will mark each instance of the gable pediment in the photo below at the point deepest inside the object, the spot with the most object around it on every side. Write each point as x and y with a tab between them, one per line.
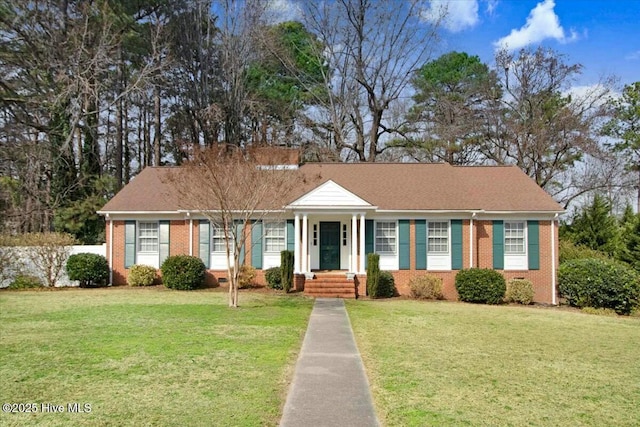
329	195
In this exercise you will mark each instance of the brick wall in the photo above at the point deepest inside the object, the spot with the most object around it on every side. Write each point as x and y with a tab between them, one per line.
482	257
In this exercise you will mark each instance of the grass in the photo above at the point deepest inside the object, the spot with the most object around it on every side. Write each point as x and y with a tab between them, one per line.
440	363
148	356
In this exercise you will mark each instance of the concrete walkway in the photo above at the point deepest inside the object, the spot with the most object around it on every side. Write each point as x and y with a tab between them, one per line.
330	387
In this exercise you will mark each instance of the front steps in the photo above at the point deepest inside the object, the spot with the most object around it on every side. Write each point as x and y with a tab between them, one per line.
331	285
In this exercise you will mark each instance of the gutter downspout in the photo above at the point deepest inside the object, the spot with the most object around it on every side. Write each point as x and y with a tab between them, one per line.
473	214
553	261
110	250
190	234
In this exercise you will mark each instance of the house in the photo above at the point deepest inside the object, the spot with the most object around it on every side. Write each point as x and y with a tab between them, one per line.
420	218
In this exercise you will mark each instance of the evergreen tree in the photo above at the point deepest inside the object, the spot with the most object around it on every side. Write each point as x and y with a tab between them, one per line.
596	228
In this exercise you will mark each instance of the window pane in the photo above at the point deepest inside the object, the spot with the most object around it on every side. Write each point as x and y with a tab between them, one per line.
148	237
274	236
385	236
217	238
514	241
438	237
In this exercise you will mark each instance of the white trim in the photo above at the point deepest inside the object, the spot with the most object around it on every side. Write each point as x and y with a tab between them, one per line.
362	243
190	236
296	241
305	244
353	265
110	251
331	195
471	240
553	262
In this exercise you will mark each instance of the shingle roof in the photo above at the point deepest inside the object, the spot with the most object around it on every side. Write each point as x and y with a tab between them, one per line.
389	186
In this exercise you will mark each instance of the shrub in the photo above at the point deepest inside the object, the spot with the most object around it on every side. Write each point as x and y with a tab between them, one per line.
141	275
246	277
48	252
520	291
183	272
373	274
273	276
426	287
570	251
599	311
89	269
386	287
286	265
480	285
25	281
599	284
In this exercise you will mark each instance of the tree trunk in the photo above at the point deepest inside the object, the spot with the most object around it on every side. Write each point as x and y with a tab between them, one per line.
156	138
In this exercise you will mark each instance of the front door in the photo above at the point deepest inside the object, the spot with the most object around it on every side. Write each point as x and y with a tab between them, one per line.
329	246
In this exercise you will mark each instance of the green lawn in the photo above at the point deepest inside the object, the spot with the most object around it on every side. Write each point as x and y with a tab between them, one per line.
148	356
440	363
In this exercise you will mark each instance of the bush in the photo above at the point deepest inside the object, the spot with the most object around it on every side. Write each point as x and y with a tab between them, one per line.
183	272
141	275
520	291
599	311
373	274
246	277
480	285
273	276
286	264
426	287
25	281
89	269
570	251
599	284
386	286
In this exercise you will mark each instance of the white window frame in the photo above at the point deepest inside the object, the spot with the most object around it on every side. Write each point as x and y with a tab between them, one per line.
142	227
446	237
218	241
512	235
393	239
278	240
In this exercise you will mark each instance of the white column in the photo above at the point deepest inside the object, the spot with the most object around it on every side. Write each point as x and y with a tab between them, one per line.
296	244
110	250
471	240
553	261
354	244
362	254
305	245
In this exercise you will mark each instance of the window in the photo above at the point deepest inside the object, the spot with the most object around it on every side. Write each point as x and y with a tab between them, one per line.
438	237
274	236
514	243
148	237
386	236
217	238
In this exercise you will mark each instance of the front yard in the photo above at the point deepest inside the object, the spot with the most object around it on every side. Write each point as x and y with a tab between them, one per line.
441	363
153	356
147	356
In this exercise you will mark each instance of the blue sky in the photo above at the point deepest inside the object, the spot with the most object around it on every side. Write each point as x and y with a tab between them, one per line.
602	35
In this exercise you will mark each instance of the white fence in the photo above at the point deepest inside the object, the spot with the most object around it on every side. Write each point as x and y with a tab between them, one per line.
23	264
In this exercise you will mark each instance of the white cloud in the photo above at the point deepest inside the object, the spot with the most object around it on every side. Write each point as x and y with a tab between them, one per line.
491	6
454	15
283	10
542	23
633	56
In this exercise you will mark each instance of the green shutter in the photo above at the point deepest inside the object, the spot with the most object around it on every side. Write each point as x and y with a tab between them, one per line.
256	245
498	245
129	243
204	232
239	235
533	250
368	239
403	245
164	240
421	244
456	244
291	245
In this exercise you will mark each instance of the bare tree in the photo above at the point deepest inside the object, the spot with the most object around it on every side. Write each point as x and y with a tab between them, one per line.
372	51
234	189
538	124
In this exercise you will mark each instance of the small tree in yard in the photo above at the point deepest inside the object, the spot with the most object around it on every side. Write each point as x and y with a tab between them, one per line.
48	252
234	189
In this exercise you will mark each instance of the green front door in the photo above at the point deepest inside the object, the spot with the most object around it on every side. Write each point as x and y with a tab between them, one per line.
329	246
